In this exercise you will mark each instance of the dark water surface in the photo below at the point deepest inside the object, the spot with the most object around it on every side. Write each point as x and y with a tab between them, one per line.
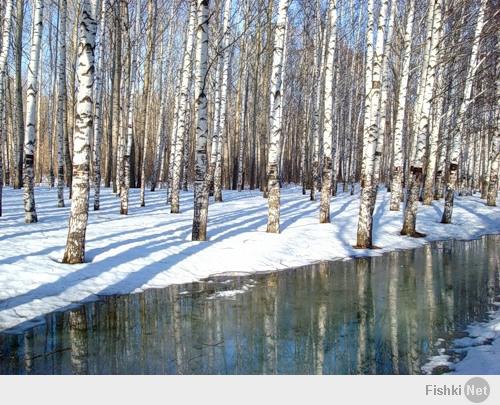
380	315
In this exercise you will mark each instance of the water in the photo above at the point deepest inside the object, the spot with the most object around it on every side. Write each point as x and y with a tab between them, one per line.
384	315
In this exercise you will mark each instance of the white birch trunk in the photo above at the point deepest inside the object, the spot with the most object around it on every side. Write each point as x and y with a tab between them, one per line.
456	137
223	101
384	96
147	83
242	122
61	101
75	245
316	106
273	221
31	109
422	120
179	132
117	91
329	116
52	111
161	135
200	214
370	130
6	29
124	190
215	126
19	113
430	173
98	112
494	158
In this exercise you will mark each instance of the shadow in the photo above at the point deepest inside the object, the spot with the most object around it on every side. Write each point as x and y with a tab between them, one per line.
153	243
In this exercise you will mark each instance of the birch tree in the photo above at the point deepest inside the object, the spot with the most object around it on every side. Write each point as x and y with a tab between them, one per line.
316	105
328	120
423	118
6	29
116	124
397	166
434	129
179	131
124	190
494	158
75	244
273	187
61	101
18	109
30	215
456	139
160	135
221	127
243	96
151	33
384	94
200	212
370	128
98	110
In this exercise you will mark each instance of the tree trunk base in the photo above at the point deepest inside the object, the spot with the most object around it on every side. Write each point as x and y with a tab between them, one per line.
358	247
414	234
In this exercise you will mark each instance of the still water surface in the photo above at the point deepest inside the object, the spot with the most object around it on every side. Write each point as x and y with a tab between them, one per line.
383	315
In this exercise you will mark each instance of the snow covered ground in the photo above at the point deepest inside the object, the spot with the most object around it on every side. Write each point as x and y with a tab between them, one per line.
481	347
152	248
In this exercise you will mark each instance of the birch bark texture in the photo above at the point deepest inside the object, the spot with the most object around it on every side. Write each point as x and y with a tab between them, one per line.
124	190
61	101
397	166
273	186
98	110
424	103
19	111
84	126
456	137
329	116
221	127
6	29
179	130
147	83
494	158
30	214
316	105
370	127
200	212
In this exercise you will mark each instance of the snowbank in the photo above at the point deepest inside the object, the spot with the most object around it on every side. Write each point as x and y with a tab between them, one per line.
152	248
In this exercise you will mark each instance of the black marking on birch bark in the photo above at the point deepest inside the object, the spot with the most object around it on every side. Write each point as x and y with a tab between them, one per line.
28	159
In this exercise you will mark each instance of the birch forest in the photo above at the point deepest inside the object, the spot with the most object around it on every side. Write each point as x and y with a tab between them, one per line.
249	187
205	96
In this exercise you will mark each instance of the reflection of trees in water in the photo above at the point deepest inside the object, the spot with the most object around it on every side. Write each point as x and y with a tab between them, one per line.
319	358
214	341
270	333
366	358
413	353
430	299
362	316
450	284
392	297
177	332
493	269
78	339
28	351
